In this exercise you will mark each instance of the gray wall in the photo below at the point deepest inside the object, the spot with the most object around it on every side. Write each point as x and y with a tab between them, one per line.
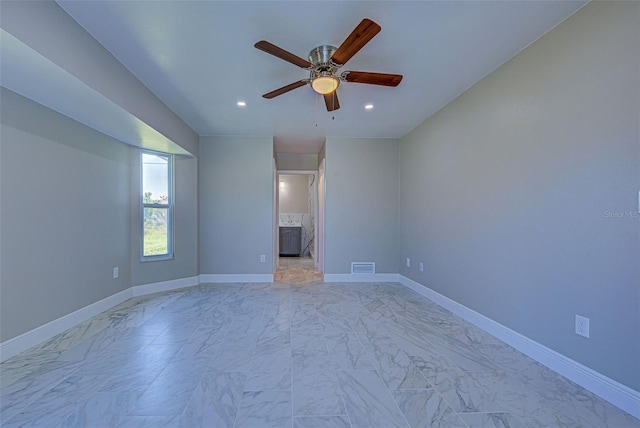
361	213
519	196
185	222
235	179
301	162
294	193
65	216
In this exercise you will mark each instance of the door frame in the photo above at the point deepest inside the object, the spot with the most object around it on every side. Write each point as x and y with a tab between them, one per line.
315	211
321	195
276	217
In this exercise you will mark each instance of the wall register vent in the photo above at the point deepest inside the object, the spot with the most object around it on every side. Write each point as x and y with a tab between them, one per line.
363	267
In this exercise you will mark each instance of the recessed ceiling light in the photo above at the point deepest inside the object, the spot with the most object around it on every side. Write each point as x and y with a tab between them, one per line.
369	106
241	104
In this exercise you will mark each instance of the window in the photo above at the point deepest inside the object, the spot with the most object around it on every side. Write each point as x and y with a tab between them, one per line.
156	206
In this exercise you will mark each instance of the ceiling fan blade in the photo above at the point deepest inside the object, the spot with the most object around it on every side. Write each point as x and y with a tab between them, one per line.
363	33
274	50
331	101
285	89
382	79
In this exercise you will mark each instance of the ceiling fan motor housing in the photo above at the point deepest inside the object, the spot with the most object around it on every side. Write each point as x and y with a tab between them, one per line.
321	56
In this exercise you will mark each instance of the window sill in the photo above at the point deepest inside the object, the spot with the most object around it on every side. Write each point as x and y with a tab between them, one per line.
156	258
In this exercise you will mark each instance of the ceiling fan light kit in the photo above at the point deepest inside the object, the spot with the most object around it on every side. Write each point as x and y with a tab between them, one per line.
325	61
325	84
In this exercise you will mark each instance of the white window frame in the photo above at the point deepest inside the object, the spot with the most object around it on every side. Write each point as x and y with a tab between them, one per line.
169	206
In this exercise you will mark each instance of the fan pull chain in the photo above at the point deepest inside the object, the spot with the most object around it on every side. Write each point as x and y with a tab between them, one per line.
333	104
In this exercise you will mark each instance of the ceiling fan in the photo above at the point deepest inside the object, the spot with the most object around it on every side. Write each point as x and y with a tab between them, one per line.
325	61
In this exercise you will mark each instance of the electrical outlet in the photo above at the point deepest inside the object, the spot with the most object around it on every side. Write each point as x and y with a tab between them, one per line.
421	267
116	273
263	258
582	326
408	262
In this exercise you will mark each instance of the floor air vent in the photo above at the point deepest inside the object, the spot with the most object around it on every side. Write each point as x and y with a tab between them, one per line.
363	267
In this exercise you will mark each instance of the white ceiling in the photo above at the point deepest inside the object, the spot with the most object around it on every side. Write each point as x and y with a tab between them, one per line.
198	58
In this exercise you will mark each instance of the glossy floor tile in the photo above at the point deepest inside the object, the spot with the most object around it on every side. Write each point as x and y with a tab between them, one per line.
299	354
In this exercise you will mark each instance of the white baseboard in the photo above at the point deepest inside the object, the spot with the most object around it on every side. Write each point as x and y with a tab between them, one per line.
361	277
209	278
614	392
158	287
14	346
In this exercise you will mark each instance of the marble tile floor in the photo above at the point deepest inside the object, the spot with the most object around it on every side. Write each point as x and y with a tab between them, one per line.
281	355
297	271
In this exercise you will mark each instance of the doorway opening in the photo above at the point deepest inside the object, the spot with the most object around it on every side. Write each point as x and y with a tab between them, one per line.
296	227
